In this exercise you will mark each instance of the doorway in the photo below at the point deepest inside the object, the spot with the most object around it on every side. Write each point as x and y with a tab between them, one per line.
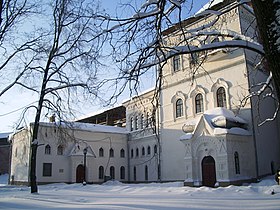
208	171
80	173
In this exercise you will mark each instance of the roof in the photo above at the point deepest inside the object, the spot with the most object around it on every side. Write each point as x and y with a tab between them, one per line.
87	127
220	121
212	4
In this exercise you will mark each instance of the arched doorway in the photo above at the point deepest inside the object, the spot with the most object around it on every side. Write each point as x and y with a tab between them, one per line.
208	171
80	173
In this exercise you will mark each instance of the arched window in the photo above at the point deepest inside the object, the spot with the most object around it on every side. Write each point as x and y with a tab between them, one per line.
221	97
155	149
134	173
131	153
176	63
122	153
143	151
101	152
146	173
236	163
101	172
112	172
179	108
131	124
148	150
122	172
136	123
60	150
47	149
147	120
199	103
137	152
111	152
142	121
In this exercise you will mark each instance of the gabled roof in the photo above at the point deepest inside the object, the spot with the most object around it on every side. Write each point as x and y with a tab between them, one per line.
217	121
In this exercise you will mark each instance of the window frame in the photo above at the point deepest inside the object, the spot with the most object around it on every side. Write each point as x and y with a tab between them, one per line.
60	150
101	152
176	63
179	108
111	152
199	105
221	97
47	170
101	172
47	149
122	172
122	153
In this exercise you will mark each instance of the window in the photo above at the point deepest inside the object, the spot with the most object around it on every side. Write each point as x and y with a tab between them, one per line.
142	121
131	153
47	169
122	153
221	97
194	59
147	120
60	150
111	152
236	163
47	149
155	149
136	123
143	151
122	172
131	124
137	152
146	173
134	173
101	152
148	150
179	108
101	172
176	63
199	103
112	172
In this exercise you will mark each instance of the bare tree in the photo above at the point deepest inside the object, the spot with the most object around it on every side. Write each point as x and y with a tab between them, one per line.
64	62
146	38
15	40
267	15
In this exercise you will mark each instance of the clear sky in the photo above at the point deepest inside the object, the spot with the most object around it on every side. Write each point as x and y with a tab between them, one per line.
13	102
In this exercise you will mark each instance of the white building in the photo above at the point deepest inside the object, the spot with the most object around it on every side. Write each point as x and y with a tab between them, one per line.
196	132
60	155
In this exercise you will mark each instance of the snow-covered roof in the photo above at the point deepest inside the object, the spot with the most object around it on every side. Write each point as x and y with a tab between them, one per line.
208	5
214	119
87	127
222	113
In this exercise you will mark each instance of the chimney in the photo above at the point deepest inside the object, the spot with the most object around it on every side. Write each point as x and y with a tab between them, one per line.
52	118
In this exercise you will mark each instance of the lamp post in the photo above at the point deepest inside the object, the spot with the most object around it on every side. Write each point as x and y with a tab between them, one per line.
85	159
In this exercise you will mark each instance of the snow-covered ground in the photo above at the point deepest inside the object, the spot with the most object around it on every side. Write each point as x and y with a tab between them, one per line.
115	195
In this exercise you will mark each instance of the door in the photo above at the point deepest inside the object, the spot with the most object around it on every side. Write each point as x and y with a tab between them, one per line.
208	171
80	173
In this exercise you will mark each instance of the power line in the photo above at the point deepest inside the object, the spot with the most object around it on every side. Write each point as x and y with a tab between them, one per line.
16	110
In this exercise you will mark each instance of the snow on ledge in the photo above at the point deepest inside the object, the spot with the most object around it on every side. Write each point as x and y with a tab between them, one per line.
187	136
234	130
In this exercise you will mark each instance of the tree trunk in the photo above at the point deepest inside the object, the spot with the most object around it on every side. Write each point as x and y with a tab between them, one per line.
34	141
269	30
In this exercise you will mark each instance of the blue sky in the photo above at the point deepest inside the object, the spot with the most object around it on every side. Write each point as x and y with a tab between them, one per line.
11	104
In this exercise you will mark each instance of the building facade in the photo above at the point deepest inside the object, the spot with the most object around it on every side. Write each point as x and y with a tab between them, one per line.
197	129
